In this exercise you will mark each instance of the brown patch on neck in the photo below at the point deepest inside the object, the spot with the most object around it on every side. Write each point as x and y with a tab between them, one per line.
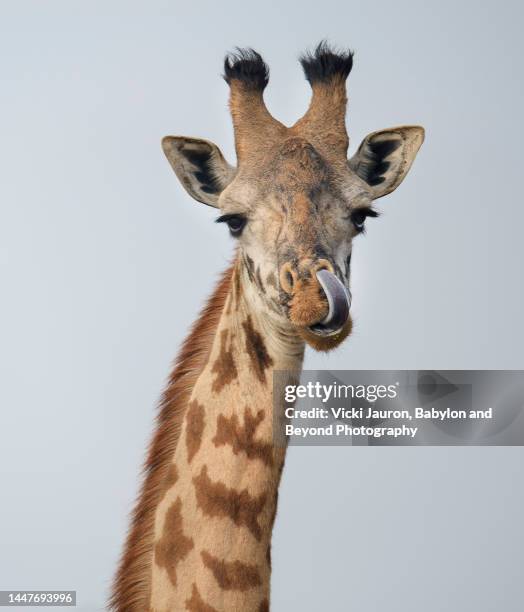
242	438
197	604
224	366
194	428
173	546
171	477
234	575
237	285
215	499
132	584
256	349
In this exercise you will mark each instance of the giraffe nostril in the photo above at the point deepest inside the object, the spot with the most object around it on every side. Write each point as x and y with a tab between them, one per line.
288	278
322	264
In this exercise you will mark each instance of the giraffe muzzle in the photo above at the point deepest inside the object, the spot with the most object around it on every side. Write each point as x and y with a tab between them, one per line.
339	302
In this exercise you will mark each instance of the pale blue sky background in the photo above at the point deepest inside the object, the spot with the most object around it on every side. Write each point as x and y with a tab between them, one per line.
106	261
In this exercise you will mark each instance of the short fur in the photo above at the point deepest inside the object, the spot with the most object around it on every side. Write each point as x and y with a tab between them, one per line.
130	590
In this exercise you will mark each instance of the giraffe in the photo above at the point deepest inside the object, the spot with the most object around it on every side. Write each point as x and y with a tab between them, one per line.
200	537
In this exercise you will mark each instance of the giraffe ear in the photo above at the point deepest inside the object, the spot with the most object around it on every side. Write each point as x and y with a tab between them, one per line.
200	167
384	158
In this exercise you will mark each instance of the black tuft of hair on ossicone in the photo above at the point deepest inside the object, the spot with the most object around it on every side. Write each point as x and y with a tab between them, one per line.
247	66
324	63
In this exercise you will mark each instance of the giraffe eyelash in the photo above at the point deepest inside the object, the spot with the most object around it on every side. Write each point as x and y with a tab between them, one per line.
359	215
235	221
366	210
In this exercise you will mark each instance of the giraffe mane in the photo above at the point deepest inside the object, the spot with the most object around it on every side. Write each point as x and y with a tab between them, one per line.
131	587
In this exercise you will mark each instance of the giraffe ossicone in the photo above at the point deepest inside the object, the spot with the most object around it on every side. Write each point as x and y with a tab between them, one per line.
201	532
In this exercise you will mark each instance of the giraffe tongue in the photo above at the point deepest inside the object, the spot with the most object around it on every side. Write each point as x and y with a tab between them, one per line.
339	301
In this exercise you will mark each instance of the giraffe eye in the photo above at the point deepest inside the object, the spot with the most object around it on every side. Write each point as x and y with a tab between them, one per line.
235	222
359	216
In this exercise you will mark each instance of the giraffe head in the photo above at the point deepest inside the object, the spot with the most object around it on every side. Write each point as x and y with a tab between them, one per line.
295	202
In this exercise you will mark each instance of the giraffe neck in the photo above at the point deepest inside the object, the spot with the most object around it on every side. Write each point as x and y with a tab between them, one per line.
212	526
